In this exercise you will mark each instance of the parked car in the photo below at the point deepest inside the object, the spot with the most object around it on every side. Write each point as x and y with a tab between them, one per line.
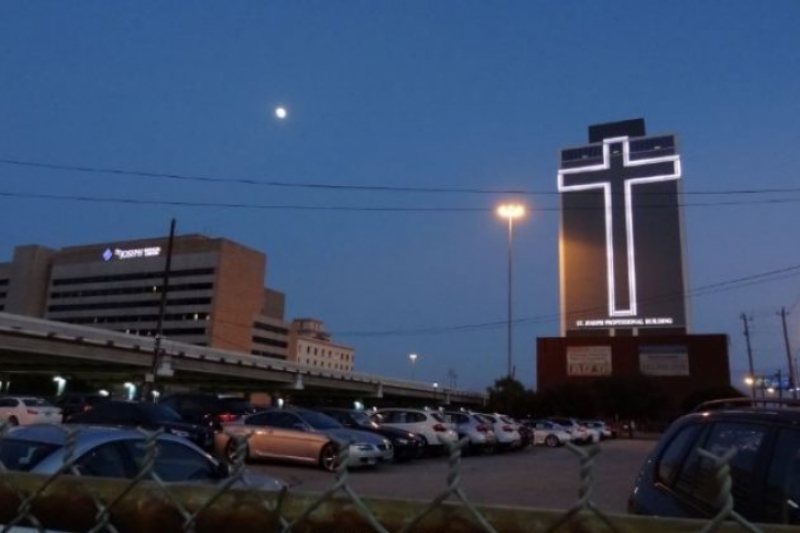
505	429
305	436
25	410
406	445
549	433
115	453
146	416
480	434
432	425
605	431
676	480
579	433
78	402
206	408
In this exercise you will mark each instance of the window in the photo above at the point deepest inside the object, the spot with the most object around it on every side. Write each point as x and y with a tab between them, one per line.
782	497
174	461
106	460
23	455
696	479
8	402
671	459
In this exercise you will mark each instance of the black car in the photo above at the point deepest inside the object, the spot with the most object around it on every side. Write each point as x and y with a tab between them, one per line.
146	416
406	445
208	409
78	402
764	437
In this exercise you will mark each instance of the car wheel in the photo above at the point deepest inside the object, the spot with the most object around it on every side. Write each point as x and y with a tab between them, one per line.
551	441
230	452
327	457
13	421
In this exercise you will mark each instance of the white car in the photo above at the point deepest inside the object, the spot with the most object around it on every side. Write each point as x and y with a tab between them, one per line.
433	425
579	433
505	430
549	433
599	426
26	410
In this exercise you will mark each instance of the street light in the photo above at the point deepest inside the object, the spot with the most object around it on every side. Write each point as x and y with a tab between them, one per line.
413	358
510	212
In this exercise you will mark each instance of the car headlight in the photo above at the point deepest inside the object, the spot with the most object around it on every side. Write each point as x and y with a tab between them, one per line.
179	433
401	441
363	446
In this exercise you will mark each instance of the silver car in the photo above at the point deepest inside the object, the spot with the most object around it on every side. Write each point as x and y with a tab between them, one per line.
480	434
115	453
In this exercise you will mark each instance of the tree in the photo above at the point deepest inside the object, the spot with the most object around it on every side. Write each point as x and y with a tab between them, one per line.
508	396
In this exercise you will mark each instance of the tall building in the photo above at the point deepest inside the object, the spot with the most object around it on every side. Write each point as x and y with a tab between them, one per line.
215	292
623	282
621	234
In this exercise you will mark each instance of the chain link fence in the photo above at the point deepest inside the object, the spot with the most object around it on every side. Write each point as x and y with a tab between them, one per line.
64	500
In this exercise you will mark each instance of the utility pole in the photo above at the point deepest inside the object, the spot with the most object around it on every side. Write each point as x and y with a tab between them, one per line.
749	357
780	382
792	377
150	379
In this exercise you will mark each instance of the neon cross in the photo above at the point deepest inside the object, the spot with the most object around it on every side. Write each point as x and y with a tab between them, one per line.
616	176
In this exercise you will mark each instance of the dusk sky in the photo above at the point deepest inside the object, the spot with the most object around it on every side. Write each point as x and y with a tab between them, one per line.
437	102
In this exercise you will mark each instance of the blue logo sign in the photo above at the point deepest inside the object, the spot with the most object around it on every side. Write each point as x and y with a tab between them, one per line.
108	254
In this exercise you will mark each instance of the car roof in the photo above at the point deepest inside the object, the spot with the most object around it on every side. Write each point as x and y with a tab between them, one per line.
85	433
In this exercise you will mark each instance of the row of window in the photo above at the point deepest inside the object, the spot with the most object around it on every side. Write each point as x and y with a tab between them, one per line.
2	295
137	318
168	332
578	154
127	305
652	144
131	277
344	356
3	282
270	342
272	329
322	364
131	290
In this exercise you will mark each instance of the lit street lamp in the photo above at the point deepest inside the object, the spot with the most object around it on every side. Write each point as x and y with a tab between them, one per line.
510	212
413	358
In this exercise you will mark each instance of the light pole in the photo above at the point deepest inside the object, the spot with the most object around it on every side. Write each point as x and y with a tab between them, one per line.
413	358
510	212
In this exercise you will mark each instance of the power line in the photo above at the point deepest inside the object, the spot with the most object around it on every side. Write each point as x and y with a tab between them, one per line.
774	275
339	186
379	209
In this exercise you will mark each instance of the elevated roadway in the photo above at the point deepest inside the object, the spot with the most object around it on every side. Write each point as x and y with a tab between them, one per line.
36	346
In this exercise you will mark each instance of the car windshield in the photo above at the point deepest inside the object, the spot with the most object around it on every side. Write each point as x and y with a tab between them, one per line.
439	417
24	455
362	418
319	420
159	413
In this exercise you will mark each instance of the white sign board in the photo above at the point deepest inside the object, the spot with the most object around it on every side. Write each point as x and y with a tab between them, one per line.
664	361
589	360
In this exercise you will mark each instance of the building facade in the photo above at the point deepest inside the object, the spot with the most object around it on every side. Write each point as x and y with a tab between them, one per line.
311	345
215	292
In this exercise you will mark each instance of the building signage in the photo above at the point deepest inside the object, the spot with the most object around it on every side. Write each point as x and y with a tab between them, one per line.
664	360
621	241
589	360
133	253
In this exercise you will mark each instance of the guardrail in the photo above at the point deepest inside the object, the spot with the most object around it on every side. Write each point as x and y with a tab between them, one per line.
68	503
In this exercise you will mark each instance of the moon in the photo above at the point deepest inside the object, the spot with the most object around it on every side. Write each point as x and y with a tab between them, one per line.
281	112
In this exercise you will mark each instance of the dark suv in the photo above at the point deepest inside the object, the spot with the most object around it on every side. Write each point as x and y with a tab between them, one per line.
764	435
209	409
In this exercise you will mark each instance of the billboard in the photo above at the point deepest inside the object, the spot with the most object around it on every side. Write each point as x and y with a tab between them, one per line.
664	360
589	361
621	238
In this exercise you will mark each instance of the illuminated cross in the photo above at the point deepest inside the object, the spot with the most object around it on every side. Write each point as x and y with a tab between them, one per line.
616	176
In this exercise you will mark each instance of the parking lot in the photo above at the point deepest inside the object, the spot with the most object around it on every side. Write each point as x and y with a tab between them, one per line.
533	477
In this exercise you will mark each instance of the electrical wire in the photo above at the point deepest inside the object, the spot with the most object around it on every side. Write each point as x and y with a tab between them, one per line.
339	186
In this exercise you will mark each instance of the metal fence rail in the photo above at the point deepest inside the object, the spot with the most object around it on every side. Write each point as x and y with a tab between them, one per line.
65	501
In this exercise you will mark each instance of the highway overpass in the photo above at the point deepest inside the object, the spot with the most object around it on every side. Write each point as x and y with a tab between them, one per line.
32	346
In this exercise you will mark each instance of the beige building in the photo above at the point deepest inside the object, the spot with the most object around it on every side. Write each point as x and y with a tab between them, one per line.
215	291
311	345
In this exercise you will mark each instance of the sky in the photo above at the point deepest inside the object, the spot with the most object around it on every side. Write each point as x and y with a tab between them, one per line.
397	96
